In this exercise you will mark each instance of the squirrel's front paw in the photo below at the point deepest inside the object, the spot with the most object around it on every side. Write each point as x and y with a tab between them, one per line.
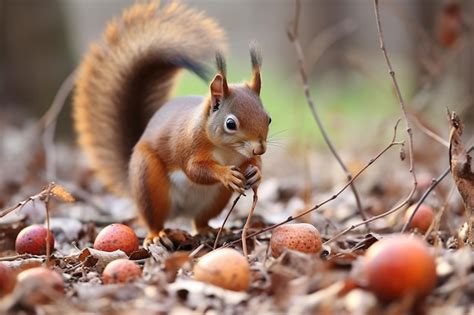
233	179
253	176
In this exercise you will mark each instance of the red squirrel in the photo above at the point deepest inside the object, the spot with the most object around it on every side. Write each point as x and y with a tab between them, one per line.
179	157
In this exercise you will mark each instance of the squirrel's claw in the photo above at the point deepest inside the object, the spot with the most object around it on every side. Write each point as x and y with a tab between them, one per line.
253	177
159	238
234	180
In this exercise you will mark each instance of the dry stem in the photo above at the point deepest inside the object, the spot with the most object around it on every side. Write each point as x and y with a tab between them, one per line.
293	36
225	220
247	223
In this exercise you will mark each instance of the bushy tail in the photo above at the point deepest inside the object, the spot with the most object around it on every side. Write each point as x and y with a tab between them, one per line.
124	80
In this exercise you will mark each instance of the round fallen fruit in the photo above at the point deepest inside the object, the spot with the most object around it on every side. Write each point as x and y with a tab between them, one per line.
32	240
301	237
225	268
121	271
7	280
400	265
41	284
117	236
423	217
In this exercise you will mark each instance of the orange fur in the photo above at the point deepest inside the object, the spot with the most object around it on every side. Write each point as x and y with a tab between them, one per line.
122	81
159	151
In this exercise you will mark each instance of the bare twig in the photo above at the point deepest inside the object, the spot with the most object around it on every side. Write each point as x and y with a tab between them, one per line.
326	38
47	124
293	36
340	191
424	196
22	203
58	102
402	107
436	222
46	207
247	223
399	94
225	220
419	124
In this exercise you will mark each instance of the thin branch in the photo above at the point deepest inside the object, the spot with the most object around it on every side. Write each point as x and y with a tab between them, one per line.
293	36
433	185
48	234
225	220
22	203
247	224
58	102
427	192
47	124
428	132
336	195
397	90
403	109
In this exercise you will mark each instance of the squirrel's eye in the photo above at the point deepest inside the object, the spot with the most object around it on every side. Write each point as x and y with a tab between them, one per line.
231	124
269	120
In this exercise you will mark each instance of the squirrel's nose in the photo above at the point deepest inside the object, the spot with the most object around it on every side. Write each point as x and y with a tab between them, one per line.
259	148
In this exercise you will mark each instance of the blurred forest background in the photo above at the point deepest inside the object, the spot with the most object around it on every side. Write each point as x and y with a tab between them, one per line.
431	46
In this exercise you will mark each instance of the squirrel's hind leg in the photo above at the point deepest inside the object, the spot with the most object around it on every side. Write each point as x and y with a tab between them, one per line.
201	220
150	190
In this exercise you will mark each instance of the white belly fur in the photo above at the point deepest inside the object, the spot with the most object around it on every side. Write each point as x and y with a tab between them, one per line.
189	199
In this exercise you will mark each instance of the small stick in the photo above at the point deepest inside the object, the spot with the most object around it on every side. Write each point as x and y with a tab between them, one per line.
47	124
247	223
399	96
424	196
293	36
46	206
225	220
427	192
21	204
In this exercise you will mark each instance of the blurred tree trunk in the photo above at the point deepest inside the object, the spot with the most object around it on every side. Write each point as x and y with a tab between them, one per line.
33	54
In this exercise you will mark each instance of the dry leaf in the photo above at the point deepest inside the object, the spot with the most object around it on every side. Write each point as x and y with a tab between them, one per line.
61	193
99	259
460	162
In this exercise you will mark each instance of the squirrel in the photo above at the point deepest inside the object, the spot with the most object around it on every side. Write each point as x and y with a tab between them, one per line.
175	157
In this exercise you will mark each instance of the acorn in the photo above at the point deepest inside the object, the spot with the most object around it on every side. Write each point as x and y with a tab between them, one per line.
400	265
117	237
301	237
225	268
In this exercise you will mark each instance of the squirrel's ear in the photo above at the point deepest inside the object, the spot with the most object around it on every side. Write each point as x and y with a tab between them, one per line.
219	87
256	58
256	82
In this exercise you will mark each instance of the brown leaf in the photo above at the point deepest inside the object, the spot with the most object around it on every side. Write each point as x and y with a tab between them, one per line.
99	259
460	163
61	193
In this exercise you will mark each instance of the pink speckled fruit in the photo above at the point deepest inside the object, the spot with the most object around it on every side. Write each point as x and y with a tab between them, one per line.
301	237
32	240
117	236
121	271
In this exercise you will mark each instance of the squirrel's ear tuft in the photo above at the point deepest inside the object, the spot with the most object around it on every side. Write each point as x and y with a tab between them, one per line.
256	58
220	76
